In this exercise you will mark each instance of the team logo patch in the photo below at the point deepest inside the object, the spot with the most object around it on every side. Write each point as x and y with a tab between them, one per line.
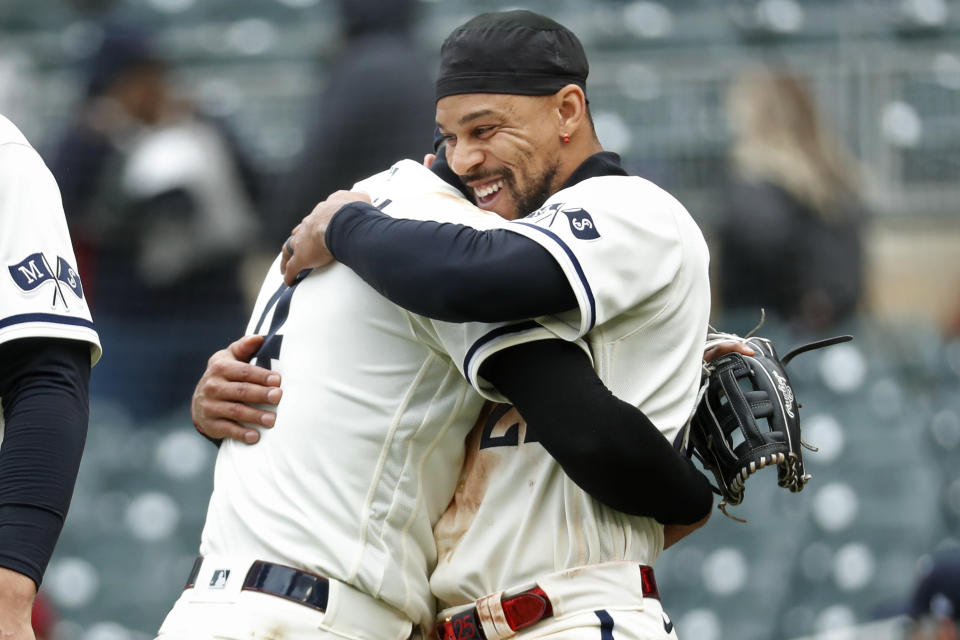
34	271
581	224
69	276
219	578
31	272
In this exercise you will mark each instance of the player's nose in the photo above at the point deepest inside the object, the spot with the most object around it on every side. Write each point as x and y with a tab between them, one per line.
464	157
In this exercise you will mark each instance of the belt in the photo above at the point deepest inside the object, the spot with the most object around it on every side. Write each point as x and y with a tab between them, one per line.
278	580
522	610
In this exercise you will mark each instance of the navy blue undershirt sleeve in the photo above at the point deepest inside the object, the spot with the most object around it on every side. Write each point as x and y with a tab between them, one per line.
607	446
448	271
44	385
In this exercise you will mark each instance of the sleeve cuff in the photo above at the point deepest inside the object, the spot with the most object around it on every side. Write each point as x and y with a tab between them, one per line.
575	324
497	340
27	538
344	221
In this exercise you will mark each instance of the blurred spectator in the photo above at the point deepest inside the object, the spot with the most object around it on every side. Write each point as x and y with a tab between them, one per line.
935	607
161	216
377	107
790	233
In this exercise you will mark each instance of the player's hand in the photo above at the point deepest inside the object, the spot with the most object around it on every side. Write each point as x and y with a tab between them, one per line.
724	348
429	159
307	246
228	386
17	593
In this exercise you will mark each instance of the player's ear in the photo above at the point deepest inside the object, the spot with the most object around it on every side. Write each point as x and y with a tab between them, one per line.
571	105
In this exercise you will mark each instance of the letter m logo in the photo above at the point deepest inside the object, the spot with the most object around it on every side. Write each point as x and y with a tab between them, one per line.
30	272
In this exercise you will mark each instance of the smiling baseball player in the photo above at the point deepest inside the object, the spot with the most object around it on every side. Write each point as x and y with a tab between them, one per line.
518	523
522	547
326	524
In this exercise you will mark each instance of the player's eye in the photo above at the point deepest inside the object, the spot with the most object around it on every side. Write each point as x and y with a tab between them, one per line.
449	140
483	132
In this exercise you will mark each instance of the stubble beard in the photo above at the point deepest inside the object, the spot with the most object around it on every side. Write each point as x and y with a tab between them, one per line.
539	190
528	200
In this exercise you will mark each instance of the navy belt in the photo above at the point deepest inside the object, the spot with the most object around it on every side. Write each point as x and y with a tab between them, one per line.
522	610
278	580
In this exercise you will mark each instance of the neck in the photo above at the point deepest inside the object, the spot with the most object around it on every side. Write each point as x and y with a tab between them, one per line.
577	151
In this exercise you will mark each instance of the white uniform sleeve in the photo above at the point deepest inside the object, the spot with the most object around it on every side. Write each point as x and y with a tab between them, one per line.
621	241
469	344
40	291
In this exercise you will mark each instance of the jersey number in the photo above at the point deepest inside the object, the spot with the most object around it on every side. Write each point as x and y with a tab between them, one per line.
273	340
505	428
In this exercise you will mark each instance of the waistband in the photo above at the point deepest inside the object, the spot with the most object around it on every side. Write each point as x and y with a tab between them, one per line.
340	607
500	615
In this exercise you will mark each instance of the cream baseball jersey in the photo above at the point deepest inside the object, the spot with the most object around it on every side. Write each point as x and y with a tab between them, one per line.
369	437
40	290
638	265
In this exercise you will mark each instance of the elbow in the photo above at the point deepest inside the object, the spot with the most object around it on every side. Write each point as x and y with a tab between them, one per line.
690	508
673	504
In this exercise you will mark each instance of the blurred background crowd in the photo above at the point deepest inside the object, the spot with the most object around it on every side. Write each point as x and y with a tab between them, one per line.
817	142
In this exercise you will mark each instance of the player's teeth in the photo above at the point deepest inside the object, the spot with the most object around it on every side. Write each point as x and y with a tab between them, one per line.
483	192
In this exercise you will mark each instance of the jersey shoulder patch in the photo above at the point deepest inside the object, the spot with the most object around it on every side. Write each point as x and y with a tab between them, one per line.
35	271
582	224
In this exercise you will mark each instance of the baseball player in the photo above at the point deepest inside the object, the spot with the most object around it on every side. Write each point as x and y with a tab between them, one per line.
522	546
325	527
47	346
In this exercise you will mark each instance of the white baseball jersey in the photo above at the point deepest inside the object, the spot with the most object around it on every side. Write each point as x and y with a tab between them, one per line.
369	437
40	291
638	265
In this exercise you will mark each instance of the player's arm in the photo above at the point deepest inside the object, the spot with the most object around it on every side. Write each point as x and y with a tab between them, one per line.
674	533
440	270
607	446
44	384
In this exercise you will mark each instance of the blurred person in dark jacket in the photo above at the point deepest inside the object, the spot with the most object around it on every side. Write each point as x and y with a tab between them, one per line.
376	107
792	224
935	602
161	215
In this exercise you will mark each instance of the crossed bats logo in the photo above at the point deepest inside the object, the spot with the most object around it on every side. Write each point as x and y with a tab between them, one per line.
34	271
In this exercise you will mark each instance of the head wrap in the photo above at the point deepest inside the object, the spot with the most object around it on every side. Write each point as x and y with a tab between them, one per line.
516	52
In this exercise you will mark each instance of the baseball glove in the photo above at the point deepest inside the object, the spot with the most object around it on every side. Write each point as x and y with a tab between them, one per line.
747	418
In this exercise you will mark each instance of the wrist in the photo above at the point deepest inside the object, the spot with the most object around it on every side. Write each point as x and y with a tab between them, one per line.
343	221
16	589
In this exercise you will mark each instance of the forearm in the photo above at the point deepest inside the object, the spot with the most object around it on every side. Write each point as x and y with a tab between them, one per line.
44	385
608	447
446	271
674	533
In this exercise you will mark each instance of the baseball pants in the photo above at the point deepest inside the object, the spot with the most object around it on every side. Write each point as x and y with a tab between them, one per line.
599	602
224	603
